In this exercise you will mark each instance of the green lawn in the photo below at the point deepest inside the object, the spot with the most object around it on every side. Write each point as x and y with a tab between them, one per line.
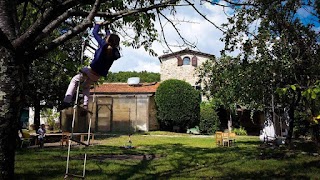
173	156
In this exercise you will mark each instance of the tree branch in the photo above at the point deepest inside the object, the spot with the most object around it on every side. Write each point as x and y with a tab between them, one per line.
71	33
5	42
178	31
120	14
192	5
81	27
230	2
49	15
54	24
162	32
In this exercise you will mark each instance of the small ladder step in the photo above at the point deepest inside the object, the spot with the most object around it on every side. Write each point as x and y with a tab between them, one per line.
86	110
73	175
80	142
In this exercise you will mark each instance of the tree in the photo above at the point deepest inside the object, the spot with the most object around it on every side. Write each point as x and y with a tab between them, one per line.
209	120
48	74
278	47
28	33
178	104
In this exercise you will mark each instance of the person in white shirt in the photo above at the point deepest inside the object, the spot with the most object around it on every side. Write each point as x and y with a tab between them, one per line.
41	134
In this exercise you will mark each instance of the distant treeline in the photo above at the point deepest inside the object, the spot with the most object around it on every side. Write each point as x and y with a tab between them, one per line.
123	76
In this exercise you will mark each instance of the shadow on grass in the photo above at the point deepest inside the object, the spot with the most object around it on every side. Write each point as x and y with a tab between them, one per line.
166	161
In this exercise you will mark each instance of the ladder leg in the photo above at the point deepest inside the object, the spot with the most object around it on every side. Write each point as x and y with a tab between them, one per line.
72	129
84	165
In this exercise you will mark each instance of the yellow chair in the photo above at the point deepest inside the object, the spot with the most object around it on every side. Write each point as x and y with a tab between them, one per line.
26	138
225	139
218	138
232	138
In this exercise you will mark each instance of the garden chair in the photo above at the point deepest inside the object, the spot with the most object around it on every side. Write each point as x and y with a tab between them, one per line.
26	138
225	139
232	138
65	138
218	138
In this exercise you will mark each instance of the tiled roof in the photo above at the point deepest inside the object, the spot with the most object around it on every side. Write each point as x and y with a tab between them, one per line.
185	51
112	88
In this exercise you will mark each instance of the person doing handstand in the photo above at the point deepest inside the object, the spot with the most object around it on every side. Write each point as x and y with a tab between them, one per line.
104	57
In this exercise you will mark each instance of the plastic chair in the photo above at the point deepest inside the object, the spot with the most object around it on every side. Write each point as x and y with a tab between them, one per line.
26	138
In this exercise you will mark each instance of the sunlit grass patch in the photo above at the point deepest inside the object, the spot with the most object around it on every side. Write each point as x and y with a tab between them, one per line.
171	156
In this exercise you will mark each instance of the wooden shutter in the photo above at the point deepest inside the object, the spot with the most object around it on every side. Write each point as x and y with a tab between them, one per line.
194	61
180	61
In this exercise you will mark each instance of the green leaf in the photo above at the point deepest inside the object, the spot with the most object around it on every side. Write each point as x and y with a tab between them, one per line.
293	87
313	95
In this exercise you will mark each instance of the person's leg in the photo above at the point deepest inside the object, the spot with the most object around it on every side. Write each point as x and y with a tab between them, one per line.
89	78
72	88
86	91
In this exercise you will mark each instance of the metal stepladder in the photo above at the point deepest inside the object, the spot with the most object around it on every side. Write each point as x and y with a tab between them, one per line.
72	138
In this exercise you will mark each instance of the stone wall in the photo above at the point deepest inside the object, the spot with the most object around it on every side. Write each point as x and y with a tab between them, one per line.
171	70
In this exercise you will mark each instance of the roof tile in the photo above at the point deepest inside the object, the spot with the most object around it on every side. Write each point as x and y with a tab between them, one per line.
125	88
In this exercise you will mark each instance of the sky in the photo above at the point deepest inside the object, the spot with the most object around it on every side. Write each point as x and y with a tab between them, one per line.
196	30
193	27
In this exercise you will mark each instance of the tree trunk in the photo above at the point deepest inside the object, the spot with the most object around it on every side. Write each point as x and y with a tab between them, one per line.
37	109
291	123
315	133
10	102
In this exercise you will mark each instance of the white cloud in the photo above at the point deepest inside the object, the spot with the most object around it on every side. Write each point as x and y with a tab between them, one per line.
198	30
136	60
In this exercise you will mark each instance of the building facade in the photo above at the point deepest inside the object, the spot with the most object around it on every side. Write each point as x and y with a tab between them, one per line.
182	65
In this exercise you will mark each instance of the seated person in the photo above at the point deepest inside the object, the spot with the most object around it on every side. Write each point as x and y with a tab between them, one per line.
42	132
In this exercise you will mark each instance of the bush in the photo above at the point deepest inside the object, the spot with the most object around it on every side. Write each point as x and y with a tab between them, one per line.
209	119
240	131
178	104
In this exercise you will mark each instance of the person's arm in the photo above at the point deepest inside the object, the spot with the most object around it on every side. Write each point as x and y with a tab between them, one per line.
95	32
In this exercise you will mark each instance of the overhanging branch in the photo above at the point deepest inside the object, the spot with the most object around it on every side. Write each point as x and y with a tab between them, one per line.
192	5
88	22
50	14
71	33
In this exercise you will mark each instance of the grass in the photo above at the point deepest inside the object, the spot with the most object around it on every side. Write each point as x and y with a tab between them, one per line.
171	156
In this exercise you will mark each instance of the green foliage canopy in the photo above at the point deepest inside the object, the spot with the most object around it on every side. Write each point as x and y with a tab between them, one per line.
177	104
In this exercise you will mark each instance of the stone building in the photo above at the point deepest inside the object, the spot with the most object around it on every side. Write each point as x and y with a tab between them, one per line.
182	64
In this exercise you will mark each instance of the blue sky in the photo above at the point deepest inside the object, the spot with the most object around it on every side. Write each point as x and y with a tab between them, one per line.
196	30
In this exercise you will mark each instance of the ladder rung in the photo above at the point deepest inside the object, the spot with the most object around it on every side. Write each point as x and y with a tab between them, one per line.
85	109
80	142
73	175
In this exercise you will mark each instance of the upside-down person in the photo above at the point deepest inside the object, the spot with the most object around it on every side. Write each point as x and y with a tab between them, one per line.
104	57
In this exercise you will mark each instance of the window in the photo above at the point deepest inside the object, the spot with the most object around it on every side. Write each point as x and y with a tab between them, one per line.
186	60
194	61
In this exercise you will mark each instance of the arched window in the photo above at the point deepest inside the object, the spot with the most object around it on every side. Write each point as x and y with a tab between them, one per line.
186	60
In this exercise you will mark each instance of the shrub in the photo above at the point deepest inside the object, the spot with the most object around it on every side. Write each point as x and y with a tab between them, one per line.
209	119
50	115
178	104
240	131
